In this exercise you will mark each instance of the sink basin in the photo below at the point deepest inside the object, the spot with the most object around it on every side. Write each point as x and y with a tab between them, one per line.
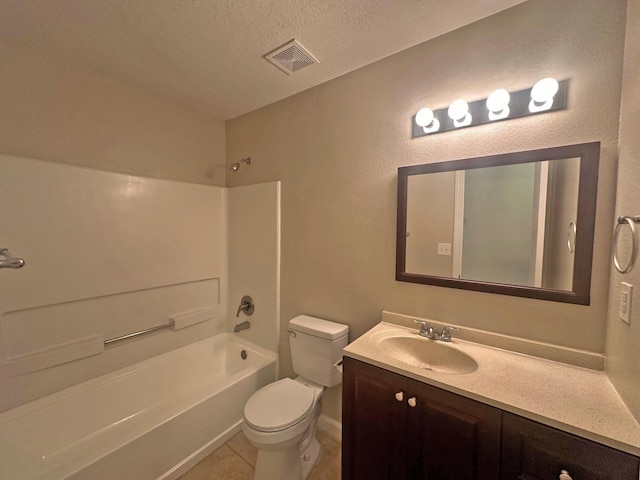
428	354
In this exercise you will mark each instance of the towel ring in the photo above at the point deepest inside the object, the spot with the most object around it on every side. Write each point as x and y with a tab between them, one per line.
631	221
571	236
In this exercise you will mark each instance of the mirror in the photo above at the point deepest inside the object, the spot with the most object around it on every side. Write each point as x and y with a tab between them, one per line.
515	224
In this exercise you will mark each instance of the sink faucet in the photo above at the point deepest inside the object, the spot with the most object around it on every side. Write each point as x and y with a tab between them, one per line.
431	332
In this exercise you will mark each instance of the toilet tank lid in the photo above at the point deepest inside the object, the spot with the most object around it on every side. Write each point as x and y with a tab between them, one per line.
318	327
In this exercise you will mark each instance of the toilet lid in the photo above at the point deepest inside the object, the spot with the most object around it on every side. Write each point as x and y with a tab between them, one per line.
279	405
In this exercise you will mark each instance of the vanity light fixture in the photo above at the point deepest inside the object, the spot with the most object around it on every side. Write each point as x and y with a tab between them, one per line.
498	104
546	95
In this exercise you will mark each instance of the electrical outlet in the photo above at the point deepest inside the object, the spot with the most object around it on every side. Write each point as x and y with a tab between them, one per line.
444	249
626	290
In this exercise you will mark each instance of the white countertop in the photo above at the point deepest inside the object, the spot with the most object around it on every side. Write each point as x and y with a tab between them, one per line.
574	399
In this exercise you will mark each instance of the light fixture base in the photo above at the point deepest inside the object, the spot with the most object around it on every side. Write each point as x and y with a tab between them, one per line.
518	107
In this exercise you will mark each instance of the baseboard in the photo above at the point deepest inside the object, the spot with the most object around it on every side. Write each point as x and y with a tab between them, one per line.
331	427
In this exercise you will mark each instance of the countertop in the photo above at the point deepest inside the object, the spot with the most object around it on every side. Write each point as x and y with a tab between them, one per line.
574	399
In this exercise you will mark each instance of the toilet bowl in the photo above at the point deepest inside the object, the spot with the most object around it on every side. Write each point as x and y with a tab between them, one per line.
280	419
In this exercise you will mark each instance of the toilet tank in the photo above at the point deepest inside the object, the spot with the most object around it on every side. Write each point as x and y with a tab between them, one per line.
316	346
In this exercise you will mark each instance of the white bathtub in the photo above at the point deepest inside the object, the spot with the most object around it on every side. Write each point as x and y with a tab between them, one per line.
152	420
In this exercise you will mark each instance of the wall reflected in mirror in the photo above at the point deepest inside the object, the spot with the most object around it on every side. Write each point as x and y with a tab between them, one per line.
508	224
522	220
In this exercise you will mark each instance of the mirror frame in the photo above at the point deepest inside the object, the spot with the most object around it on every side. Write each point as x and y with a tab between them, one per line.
589	154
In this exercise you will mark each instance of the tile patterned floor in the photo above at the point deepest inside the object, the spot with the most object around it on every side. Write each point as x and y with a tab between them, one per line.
236	459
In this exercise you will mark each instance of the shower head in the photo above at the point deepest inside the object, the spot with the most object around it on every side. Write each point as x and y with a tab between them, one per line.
236	166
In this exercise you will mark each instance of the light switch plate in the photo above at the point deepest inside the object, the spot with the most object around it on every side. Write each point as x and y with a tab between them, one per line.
444	249
626	291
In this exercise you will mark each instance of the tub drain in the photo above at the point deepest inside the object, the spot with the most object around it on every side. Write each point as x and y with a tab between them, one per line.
243	354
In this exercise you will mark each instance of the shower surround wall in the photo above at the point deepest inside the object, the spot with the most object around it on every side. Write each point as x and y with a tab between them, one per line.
106	255
254	259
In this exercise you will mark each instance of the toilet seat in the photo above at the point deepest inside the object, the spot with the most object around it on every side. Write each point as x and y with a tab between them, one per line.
279	405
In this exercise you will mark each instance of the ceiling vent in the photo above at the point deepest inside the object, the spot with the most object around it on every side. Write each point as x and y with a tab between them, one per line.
291	57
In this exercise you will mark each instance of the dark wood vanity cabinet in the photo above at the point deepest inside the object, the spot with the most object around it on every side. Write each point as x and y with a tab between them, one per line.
531	451
396	428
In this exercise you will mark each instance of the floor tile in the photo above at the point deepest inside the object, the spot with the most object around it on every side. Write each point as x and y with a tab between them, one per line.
235	461
329	465
224	463
243	447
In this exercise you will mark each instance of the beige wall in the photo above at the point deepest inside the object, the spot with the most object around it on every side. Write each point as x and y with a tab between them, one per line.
53	111
337	147
623	341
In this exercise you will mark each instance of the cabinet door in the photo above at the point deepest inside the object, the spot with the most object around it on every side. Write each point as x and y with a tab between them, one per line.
533	451
452	437
374	425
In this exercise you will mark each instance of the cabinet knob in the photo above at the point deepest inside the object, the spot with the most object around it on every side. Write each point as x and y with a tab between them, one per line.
412	403
400	396
564	475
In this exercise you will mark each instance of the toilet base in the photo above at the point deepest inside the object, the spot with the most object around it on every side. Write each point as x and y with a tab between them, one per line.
310	457
287	463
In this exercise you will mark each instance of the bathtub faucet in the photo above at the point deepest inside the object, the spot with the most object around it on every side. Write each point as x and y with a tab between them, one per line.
242	326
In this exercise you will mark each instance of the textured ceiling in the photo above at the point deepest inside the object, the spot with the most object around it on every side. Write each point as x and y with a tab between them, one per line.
208	53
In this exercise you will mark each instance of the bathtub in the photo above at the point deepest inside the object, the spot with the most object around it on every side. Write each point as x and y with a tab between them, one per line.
152	420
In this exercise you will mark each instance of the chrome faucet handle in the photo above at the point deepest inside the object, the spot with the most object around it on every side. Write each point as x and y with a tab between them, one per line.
424	328
242	308
246	305
445	336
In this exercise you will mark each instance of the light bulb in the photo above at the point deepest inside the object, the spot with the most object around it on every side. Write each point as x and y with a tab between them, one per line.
544	89
426	120
498	104
542	94
459	113
458	109
424	117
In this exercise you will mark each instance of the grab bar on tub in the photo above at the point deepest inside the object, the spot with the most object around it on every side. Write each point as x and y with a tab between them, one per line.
141	332
10	261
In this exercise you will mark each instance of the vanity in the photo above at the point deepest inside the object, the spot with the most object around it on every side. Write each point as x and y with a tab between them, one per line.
417	408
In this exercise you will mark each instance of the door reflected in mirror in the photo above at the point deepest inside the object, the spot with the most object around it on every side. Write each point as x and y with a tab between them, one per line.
518	224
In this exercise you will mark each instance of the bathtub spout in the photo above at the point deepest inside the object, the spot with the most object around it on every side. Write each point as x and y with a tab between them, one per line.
242	326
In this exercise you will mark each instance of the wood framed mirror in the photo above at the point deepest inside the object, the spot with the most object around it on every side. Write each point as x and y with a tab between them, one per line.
517	224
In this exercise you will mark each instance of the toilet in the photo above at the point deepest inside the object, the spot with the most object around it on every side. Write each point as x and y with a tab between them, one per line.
280	418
